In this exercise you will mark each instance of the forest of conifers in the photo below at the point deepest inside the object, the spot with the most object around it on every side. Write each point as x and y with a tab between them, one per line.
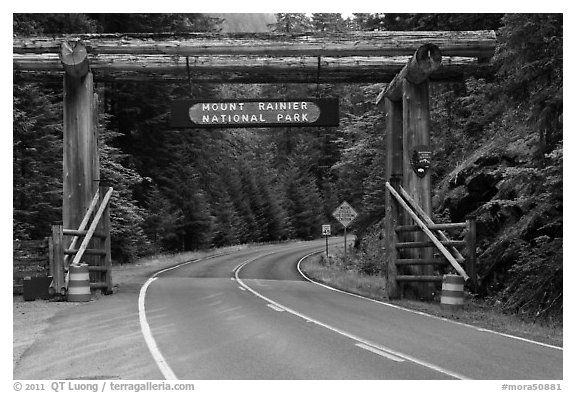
497	153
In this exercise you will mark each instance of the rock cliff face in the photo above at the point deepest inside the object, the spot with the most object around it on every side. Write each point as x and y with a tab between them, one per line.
515	193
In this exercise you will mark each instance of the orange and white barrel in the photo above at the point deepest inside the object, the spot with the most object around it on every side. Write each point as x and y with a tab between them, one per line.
79	283
452	294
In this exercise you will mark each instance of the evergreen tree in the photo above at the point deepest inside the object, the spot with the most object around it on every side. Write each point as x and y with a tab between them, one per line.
48	24
326	22
160	220
304	204
291	23
127	218
154	23
428	22
36	162
530	67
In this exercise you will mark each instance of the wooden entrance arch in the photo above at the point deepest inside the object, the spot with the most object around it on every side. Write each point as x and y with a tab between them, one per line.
407	61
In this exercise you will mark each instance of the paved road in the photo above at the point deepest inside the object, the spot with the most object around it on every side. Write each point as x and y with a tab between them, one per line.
251	315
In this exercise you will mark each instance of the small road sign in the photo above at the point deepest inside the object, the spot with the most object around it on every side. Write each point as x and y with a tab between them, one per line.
325	230
345	214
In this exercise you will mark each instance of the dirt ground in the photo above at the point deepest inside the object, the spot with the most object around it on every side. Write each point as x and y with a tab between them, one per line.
31	318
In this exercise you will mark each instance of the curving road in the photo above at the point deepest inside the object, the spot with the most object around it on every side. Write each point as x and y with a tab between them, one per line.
252	315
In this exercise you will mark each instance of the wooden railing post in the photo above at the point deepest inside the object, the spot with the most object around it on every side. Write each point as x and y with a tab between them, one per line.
57	259
391	239
471	251
105	229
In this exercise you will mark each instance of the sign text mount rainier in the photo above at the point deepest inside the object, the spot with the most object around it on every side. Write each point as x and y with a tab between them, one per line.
306	112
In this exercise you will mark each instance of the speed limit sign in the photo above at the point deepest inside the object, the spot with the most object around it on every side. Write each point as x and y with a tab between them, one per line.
325	230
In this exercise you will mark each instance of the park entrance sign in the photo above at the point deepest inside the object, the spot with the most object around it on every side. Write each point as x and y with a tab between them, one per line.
306	112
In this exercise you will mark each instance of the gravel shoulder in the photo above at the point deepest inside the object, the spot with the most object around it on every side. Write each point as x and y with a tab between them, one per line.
30	319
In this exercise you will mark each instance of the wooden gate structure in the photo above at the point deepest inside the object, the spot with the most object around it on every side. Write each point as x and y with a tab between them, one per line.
406	61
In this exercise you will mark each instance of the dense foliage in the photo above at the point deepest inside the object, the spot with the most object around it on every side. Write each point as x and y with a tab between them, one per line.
497	154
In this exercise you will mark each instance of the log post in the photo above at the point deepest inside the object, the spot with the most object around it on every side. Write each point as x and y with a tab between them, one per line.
416	131
425	61
394	175
80	168
74	59
394	156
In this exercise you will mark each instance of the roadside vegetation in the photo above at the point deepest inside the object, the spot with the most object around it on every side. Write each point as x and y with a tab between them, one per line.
346	274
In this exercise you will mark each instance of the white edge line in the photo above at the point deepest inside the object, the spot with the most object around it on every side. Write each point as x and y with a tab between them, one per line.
419	312
275	307
379	352
145	327
158	358
345	334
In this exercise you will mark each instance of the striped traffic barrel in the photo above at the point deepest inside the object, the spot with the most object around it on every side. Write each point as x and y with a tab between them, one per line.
79	283
452	294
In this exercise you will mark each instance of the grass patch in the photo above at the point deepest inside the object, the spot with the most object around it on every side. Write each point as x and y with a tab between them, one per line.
479	313
318	268
343	273
140	271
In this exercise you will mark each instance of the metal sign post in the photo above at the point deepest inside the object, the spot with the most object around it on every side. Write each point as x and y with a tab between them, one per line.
345	214
326	232
345	242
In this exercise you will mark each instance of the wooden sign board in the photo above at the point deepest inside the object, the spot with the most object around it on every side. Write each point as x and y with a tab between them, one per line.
305	112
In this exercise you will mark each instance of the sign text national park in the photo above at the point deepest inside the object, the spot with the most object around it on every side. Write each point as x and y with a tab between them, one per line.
307	112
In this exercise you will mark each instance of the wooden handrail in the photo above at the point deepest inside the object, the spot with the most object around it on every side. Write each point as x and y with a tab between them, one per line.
419	278
434	227
427	231
430	223
84	222
423	261
88	251
92	228
447	243
78	233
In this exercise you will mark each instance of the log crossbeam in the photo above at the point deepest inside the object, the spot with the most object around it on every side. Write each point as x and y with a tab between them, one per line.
360	57
479	44
220	69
